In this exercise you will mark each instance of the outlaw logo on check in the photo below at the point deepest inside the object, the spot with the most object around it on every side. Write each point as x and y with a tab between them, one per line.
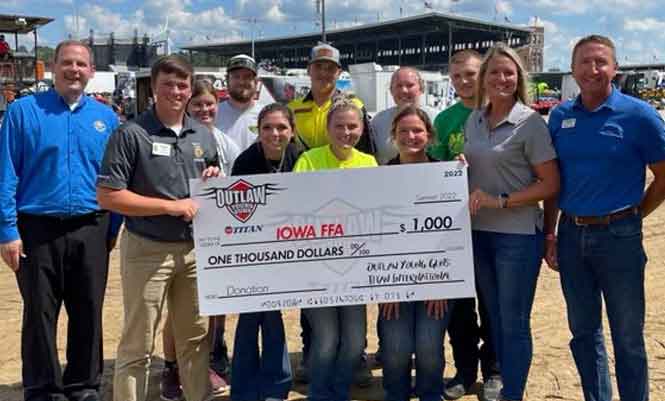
241	198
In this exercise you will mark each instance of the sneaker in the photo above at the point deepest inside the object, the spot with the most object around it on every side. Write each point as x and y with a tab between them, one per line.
169	384
492	389
455	389
218	384
362	377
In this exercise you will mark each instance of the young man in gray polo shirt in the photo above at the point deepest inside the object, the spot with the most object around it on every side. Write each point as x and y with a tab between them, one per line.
145	176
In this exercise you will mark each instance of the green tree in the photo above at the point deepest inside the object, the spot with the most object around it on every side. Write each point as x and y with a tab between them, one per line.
45	53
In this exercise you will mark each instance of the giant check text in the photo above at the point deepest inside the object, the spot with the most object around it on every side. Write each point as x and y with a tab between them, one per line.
328	238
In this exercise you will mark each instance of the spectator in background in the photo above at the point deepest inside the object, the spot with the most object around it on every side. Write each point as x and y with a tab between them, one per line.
5	50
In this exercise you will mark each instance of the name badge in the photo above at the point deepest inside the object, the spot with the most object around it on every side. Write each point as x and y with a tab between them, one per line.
161	149
568	123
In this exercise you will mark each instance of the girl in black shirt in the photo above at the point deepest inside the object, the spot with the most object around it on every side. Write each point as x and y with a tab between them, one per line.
268	376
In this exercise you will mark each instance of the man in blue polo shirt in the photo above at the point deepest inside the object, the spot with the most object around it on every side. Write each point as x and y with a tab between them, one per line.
52	231
605	141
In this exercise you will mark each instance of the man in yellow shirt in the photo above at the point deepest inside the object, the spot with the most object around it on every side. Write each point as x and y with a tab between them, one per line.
324	69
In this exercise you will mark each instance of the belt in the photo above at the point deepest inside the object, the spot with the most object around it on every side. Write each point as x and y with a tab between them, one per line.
601	220
63	218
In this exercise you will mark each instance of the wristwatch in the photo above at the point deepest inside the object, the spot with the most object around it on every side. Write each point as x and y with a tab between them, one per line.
503	200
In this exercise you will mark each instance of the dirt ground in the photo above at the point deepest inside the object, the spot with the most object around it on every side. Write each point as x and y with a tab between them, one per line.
553	375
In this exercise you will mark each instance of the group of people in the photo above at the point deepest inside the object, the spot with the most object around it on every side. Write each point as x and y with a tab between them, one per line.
70	174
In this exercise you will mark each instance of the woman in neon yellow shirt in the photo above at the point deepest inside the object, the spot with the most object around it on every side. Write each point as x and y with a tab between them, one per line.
338	333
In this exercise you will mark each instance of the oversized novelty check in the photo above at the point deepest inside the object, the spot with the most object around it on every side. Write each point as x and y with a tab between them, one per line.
343	237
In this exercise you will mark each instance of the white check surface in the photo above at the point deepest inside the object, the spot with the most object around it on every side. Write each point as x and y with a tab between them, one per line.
343	237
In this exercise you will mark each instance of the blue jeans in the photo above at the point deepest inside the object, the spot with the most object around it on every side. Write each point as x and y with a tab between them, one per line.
338	340
607	261
507	267
413	332
259	377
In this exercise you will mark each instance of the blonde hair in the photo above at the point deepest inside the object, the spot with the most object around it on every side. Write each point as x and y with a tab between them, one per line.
344	102
501	49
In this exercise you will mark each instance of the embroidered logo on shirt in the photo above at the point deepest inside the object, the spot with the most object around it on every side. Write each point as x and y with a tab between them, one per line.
198	150
99	126
611	129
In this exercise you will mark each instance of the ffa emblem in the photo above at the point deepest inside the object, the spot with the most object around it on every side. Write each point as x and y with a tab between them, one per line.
241	198
99	126
254	129
198	150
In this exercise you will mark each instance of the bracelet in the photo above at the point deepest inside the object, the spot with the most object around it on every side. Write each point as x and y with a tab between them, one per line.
550	237
503	200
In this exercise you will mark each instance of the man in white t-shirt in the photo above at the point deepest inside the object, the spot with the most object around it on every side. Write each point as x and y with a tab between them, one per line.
237	117
406	87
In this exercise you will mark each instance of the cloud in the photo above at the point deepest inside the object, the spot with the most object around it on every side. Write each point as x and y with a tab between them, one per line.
503	7
274	14
648	24
185	25
598	7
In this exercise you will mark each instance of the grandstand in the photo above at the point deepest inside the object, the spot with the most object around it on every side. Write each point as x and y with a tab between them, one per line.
425	41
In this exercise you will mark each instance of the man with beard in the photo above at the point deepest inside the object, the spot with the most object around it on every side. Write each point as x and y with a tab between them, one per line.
145	176
237	116
53	234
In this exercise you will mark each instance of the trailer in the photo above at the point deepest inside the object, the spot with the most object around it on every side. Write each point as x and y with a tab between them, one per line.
20	72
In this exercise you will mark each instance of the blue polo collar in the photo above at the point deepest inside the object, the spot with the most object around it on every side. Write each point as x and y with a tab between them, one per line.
82	100
610	103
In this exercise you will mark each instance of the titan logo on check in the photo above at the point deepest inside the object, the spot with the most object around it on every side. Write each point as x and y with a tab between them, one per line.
568	123
161	149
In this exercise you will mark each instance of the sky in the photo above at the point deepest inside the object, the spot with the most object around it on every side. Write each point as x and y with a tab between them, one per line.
636	26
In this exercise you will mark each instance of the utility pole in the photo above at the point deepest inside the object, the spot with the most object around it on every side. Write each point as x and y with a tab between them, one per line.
323	21
253	21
